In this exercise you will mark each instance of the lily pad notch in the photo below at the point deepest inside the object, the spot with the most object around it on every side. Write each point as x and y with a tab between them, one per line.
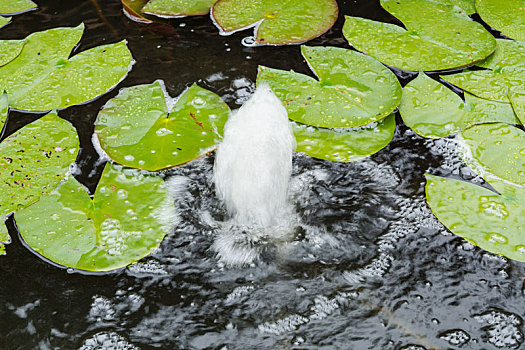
39	76
138	129
126	220
437	36
275	22
345	115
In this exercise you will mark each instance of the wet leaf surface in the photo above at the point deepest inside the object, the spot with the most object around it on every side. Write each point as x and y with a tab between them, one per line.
499	149
437	36
13	7
42	77
276	22
4	110
469	6
34	160
508	17
126	220
344	145
353	89
4	21
432	110
9	50
489	220
136	130
180	8
517	100
133	9
505	70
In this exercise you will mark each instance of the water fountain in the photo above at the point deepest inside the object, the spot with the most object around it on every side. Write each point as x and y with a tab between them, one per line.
252	170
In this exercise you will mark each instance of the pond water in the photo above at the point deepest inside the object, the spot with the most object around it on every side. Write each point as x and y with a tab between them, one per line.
370	266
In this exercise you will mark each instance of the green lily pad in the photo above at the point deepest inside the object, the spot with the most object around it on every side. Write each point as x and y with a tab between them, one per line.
126	220
438	36
179	8
517	100
9	50
276	22
353	89
13	7
432	110
469	6
498	149
344	145
508	17
34	160
491	221
42	77
4	21
133	10
505	70
135	129
4	110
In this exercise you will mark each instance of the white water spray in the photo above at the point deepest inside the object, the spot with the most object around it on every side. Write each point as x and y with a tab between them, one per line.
252	170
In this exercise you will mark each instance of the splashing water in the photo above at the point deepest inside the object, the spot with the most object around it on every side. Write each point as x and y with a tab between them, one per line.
252	170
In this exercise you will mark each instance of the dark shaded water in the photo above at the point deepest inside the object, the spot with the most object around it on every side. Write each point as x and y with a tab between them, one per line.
371	269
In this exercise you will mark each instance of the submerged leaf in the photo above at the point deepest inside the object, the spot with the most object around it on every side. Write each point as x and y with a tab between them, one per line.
438	36
13	7
344	145
498	149
489	220
276	22
432	110
353	89
508	17
180	8
42	77
505	70
126	220
135	129
34	160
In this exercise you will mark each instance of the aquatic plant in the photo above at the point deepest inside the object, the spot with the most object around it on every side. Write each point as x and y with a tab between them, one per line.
346	113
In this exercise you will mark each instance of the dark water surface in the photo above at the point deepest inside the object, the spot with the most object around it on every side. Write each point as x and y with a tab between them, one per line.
372	269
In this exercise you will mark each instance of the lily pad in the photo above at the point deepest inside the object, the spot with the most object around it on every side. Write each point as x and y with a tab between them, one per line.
13	7
489	220
133	10
276	22
9	50
4	110
432	110
469	6
42	77
505	70
508	17
498	148
136	129
126	220
179	8
437	36
518	103
344	145
34	160
4	21
353	89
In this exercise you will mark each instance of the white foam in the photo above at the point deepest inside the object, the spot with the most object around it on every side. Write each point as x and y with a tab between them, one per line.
252	172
